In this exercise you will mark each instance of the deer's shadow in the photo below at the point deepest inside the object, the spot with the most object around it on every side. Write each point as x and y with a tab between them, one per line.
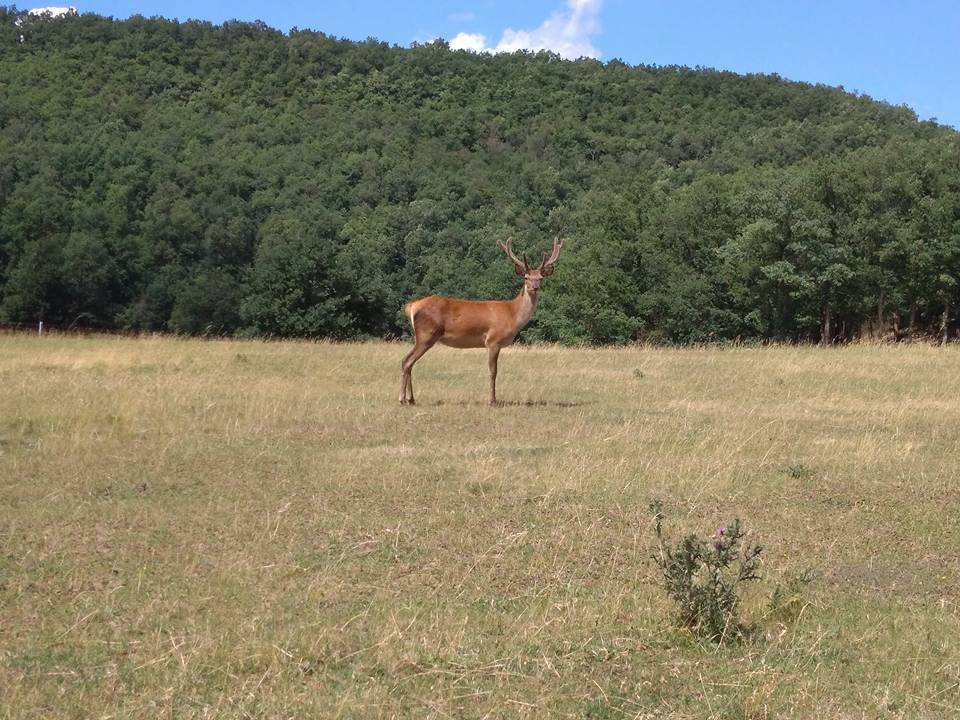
563	404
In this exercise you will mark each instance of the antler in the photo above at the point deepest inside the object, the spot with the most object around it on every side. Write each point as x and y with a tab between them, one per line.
546	267
522	267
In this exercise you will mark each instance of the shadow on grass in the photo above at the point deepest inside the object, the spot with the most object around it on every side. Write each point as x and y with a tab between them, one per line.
513	403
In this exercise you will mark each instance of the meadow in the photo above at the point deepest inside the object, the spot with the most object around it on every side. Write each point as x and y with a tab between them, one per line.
244	529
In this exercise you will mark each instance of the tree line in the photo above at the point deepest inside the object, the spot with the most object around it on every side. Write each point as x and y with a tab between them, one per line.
233	179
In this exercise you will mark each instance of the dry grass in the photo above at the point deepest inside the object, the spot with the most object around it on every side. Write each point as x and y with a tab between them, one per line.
243	529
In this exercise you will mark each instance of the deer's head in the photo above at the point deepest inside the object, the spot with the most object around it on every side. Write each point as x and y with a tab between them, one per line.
532	277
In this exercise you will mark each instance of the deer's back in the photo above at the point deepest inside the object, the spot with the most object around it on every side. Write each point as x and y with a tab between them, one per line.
462	323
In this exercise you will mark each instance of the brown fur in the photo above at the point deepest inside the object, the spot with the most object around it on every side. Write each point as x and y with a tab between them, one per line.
492	324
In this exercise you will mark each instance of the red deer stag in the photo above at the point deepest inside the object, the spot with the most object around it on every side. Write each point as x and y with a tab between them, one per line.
492	324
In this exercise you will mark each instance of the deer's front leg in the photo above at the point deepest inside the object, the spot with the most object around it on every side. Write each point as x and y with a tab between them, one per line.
493	352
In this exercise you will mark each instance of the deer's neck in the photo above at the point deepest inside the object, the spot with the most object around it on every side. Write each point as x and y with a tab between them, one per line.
525	304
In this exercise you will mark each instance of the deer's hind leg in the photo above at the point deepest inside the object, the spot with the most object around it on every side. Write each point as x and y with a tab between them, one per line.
425	338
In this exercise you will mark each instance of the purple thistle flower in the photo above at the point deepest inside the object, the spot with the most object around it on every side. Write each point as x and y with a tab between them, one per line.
720	539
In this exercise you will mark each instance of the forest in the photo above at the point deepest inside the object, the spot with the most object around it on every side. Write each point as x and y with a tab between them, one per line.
237	180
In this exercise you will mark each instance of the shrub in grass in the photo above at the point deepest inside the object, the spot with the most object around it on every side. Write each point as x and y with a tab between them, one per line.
704	576
799	471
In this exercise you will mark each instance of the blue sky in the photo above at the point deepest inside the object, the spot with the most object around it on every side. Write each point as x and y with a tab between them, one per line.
899	51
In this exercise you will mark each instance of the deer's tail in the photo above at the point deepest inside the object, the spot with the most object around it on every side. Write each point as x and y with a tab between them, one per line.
410	310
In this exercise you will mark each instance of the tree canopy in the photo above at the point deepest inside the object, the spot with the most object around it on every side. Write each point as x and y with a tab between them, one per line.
199	178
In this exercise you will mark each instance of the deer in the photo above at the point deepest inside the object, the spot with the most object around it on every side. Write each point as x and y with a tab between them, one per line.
490	324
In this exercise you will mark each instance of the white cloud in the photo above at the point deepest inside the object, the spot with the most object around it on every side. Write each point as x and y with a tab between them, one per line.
470	41
54	11
567	32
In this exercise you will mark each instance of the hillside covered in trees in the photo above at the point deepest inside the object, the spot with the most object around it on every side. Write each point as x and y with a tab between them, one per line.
157	175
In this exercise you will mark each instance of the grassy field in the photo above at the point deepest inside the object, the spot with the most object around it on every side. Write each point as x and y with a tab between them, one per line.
196	529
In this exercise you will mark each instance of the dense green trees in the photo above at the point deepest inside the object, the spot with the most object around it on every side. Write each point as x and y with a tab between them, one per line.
158	175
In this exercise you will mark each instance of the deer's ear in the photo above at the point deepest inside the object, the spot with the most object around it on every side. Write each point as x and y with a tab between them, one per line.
519	271
547	271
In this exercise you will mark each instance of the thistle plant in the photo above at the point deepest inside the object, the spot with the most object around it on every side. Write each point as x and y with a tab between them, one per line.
703	576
